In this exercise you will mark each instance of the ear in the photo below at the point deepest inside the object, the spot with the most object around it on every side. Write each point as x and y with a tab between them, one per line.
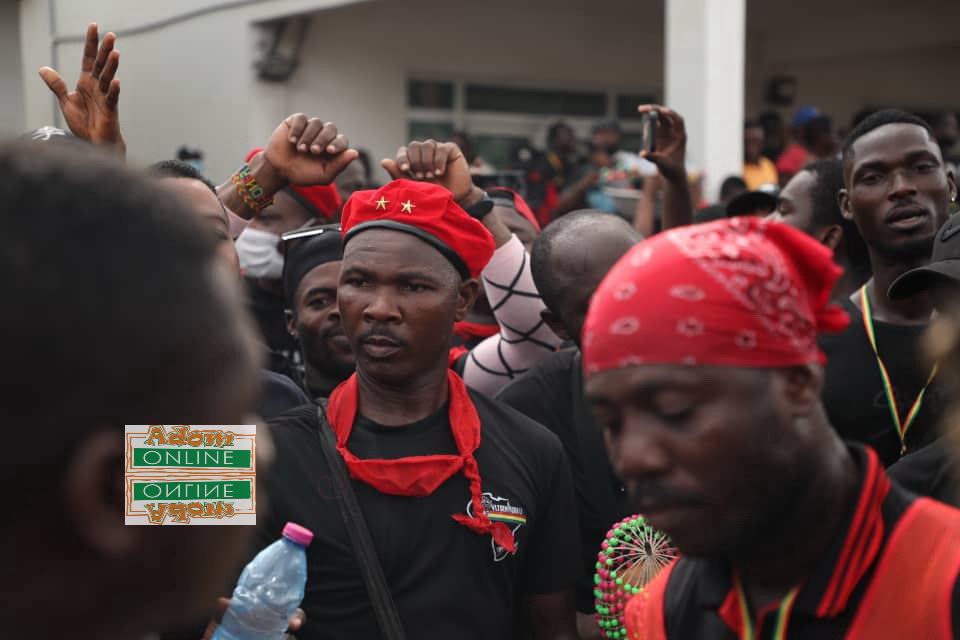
830	236
291	323
843	199
553	321
801	386
952	179
94	492
468	292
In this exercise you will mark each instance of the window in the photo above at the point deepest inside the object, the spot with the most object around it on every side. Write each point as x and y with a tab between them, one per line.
502	118
546	102
422	130
430	95
627	105
499	150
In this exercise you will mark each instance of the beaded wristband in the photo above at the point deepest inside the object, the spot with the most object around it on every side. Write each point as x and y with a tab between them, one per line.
250	191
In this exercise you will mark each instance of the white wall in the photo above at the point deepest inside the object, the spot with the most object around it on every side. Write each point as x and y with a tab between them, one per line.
358	58
11	98
846	56
193	83
188	82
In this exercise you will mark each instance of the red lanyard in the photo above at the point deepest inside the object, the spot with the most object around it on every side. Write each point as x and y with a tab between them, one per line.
901	426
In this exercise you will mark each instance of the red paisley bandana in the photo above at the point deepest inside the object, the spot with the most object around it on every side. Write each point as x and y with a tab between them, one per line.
421	475
738	292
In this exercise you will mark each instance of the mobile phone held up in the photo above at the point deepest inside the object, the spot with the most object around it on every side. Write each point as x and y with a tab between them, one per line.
648	131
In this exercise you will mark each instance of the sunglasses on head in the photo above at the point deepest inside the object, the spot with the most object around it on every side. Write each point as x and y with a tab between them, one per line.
309	232
289	239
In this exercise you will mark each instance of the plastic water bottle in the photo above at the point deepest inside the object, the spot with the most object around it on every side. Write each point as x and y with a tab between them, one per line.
269	590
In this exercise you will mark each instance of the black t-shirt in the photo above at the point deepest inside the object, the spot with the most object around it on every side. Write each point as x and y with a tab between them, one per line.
552	394
932	472
447	581
853	393
279	394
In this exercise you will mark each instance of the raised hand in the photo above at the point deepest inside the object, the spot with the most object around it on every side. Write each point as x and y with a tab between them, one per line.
670	156
90	110
307	151
443	163
671	152
302	151
439	162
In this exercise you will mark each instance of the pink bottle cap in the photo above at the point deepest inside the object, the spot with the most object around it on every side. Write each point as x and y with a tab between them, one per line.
294	532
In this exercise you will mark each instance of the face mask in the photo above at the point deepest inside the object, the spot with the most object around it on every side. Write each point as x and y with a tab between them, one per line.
259	257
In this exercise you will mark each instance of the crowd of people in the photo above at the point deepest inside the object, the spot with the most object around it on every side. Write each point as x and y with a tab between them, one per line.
503	378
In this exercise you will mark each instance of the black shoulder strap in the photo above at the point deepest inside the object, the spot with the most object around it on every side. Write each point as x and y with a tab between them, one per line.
380	597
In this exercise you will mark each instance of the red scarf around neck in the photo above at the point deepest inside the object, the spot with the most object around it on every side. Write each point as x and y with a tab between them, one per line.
469	330
421	475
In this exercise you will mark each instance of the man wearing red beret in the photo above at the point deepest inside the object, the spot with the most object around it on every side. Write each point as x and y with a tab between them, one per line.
700	352
468	528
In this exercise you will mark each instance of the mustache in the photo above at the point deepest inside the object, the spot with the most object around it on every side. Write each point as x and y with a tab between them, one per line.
334	332
653	494
381	332
904	209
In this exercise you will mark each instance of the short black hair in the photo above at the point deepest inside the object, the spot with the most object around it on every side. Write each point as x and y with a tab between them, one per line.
111	296
752	124
875	121
541	253
862	115
180	169
605	125
770	119
554	129
814	128
828	181
732	185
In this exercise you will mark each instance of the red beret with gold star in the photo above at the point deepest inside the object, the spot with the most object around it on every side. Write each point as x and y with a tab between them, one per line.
426	211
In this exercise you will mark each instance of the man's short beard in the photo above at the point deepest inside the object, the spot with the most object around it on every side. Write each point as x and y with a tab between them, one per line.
918	250
331	367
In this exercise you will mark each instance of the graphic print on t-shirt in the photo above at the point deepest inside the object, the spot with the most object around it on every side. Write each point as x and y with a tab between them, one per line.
500	510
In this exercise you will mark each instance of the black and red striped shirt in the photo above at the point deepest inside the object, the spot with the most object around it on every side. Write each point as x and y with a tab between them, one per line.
702	602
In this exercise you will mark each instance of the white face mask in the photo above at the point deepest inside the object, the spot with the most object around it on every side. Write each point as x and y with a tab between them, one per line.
259	257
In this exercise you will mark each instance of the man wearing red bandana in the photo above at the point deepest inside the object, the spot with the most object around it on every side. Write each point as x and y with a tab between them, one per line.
700	351
468	502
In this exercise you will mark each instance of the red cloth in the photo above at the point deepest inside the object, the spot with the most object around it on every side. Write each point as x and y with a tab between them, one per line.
454	354
468	330
421	475
792	160
323	197
521	206
742	292
422	208
550	200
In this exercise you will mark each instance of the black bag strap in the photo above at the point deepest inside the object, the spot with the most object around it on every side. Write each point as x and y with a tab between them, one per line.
384	607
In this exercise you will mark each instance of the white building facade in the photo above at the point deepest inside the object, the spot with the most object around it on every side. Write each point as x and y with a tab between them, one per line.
502	70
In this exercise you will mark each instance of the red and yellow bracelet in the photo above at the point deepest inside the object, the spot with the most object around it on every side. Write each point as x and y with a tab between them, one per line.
250	191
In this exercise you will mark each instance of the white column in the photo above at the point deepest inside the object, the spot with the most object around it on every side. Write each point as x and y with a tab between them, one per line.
705	42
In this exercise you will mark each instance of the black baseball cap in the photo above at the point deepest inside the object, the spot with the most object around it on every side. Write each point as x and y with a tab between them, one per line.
944	264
